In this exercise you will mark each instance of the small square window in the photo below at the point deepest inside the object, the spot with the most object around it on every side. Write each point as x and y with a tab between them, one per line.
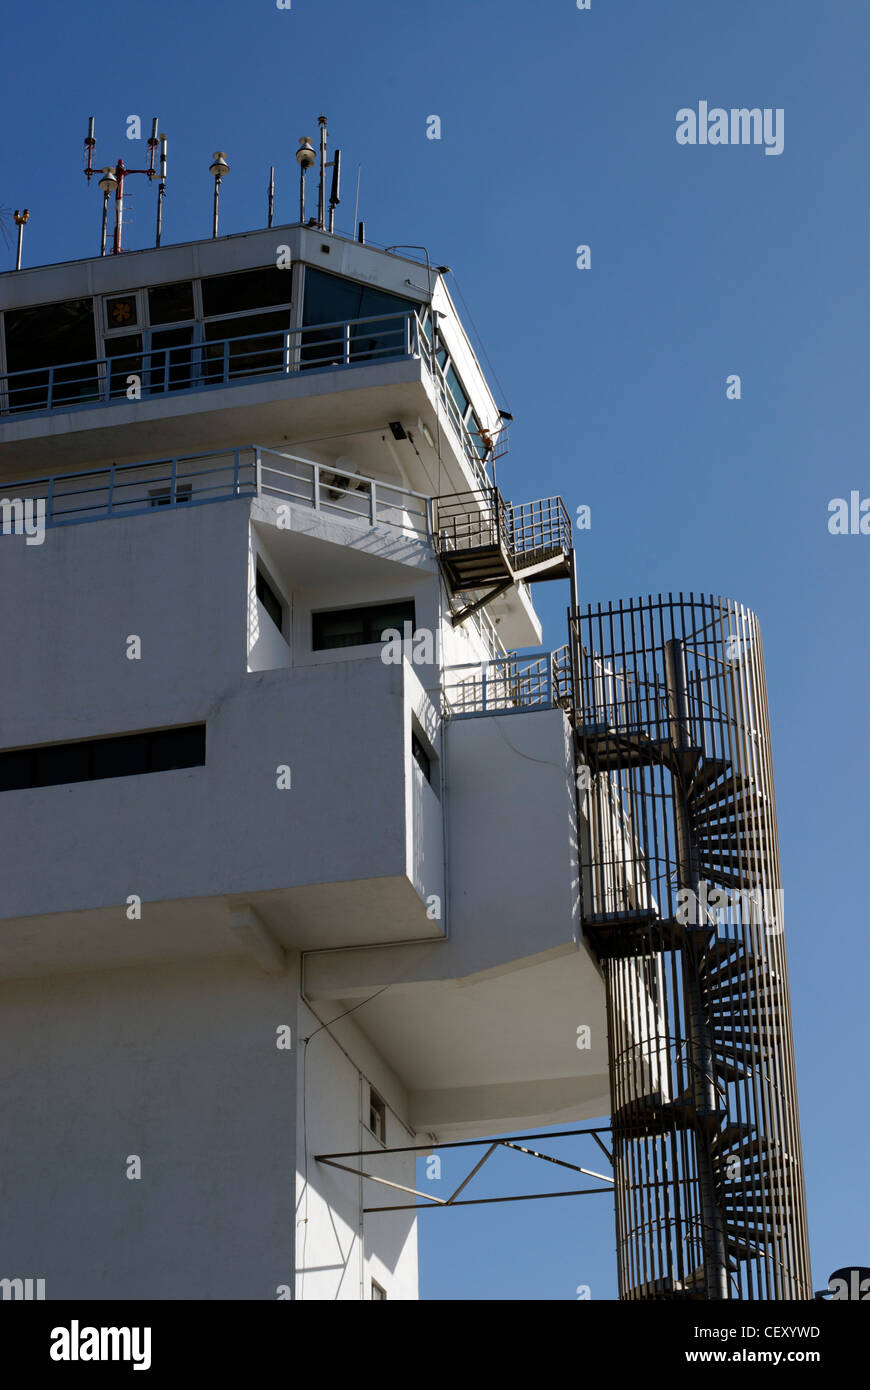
162	496
121	311
377	1116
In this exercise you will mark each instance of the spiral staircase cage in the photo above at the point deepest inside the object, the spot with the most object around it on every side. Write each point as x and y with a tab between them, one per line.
682	904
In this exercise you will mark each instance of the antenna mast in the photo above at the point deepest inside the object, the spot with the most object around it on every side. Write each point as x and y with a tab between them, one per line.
20	219
112	181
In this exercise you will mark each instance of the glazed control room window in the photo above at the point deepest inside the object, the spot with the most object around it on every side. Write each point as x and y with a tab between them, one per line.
359	627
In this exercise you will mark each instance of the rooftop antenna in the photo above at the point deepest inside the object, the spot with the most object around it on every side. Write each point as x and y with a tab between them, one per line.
218	168
271	194
306	157
356	203
321	221
161	191
112	180
334	198
20	219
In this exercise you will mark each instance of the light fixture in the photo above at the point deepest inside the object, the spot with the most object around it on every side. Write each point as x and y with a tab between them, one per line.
108	183
220	166
306	154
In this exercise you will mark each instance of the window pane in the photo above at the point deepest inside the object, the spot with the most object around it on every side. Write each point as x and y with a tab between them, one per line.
358	627
333	299
250	289
170	359
119	757
174	748
64	763
171	303
260	350
270	600
125	355
16	770
50	333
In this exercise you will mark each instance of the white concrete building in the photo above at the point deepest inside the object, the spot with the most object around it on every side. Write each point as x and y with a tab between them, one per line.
267	893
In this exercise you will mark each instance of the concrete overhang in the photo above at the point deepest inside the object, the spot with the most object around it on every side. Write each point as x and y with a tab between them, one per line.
483	1053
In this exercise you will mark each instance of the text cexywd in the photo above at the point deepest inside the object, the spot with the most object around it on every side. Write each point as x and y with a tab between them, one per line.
713	125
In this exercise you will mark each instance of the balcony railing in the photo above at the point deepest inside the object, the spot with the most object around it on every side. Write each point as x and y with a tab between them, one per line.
158	372
215	363
130	489
508	685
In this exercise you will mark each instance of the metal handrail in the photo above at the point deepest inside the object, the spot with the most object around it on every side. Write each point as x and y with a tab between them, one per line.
505	685
129	489
207	363
324	487
215	362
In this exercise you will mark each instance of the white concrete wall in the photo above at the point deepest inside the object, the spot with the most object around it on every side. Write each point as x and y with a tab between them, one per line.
339	1250
178	1065
512	837
179	581
175	1064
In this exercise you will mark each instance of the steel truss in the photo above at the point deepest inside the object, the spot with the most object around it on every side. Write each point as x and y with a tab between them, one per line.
514	1141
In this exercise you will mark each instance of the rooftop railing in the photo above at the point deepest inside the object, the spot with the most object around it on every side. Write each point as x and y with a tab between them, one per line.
221	362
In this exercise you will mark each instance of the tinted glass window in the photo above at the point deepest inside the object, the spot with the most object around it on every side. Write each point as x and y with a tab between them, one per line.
331	299
250	289
359	627
171	303
270	600
89	760
48	333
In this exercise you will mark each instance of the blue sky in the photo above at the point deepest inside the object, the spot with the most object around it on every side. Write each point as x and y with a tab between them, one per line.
558	128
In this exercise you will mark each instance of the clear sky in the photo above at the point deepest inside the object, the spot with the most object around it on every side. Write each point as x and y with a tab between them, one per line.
558	129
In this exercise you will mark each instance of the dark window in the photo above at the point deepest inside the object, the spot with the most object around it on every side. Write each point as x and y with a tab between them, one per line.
332	299
249	289
90	760
270	600
377	1116
170	303
378	1292
48	335
261	349
171	359
162	496
360	627
125	354
421	756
